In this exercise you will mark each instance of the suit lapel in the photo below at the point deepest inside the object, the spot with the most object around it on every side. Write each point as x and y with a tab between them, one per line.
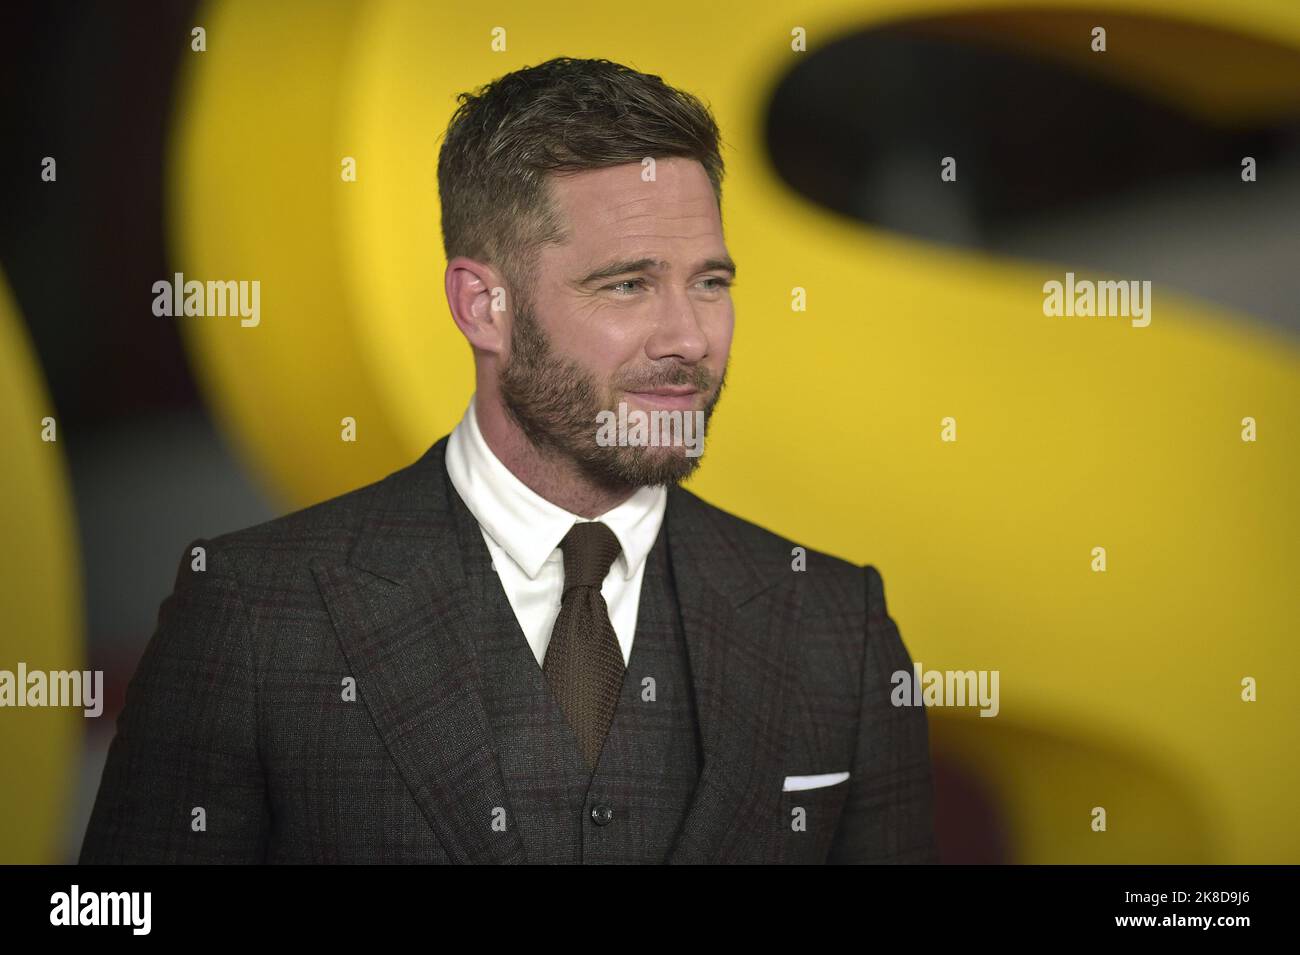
739	618
400	608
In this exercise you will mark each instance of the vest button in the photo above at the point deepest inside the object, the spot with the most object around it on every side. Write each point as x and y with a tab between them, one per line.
602	815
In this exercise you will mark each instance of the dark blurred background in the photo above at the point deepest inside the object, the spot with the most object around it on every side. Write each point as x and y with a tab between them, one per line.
92	85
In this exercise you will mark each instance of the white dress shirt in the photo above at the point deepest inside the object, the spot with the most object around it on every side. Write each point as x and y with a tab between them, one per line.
523	531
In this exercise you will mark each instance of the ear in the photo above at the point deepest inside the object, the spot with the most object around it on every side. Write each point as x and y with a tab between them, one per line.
479	306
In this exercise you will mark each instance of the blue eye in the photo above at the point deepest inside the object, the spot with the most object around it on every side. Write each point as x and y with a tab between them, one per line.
722	283
616	285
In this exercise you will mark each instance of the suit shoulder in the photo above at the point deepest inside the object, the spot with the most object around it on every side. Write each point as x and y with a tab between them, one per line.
822	573
326	529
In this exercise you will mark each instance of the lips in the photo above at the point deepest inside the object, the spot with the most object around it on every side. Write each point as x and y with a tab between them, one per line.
668	391
679	397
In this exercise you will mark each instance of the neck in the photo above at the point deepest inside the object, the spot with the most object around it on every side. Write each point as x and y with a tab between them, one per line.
546	473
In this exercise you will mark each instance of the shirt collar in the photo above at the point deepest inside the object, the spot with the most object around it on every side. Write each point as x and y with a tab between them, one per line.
526	525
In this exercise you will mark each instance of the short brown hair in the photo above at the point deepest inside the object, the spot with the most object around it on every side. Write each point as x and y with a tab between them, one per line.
561	115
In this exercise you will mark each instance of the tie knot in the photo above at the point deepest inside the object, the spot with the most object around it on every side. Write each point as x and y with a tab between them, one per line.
589	550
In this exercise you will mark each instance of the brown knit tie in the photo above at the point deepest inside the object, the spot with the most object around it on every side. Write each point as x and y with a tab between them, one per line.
583	662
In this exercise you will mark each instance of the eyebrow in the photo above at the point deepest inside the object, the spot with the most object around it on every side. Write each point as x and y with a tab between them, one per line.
623	266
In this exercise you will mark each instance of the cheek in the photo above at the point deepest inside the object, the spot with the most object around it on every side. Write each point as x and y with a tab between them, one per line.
720	334
603	348
596	342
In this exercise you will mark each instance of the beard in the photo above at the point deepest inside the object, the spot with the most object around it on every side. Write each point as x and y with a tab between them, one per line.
555	403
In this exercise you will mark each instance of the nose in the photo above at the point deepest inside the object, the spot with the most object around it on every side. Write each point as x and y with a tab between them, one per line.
678	332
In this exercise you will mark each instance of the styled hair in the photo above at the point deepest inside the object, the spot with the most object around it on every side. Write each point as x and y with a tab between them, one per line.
559	116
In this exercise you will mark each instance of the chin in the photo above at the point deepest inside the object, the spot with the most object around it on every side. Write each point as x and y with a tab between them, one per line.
662	466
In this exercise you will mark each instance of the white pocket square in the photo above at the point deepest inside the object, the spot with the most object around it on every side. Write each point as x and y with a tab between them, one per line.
796	783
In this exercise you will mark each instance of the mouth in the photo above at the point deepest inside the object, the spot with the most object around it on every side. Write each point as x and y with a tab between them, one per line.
669	397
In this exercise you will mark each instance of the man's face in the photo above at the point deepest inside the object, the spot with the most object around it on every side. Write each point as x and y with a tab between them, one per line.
634	307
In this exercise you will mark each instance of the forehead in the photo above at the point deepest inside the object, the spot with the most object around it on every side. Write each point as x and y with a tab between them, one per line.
614	210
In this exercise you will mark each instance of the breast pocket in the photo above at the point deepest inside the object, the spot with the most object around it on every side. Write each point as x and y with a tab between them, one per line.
808	821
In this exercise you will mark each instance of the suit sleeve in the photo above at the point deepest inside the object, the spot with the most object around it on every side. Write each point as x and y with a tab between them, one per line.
889	810
183	781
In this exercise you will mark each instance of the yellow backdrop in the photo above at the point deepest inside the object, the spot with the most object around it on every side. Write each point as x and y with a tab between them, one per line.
40	606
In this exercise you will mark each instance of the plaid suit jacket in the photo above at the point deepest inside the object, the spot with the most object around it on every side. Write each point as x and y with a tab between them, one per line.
310	696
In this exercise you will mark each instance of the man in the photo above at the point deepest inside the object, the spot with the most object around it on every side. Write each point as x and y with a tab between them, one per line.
532	645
